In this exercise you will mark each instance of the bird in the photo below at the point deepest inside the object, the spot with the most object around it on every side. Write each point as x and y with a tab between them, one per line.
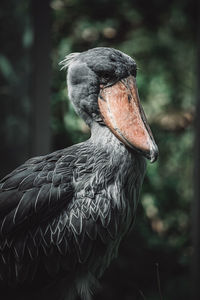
63	215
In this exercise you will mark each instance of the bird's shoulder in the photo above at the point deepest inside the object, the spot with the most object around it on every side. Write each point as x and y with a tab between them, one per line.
41	186
39	169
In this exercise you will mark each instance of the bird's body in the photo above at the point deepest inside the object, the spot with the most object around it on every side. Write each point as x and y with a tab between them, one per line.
64	215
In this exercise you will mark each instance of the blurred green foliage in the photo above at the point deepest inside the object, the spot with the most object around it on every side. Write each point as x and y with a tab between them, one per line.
159	35
16	39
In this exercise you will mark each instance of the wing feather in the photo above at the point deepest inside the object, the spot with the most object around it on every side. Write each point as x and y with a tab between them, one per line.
54	206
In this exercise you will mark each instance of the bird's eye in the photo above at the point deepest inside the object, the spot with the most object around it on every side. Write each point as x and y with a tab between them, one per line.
106	76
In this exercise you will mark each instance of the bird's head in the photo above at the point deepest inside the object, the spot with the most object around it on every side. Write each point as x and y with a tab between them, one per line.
102	87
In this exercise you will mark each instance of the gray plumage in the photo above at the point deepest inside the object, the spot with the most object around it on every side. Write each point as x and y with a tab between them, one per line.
65	214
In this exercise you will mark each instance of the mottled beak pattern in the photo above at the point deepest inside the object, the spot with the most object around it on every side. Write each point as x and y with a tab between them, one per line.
122	112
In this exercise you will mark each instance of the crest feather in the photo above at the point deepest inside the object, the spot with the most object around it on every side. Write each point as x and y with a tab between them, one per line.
68	60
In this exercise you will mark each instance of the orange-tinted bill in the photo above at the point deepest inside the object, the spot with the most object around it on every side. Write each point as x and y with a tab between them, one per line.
122	112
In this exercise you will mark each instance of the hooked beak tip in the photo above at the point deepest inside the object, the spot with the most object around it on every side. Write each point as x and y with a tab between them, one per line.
153	154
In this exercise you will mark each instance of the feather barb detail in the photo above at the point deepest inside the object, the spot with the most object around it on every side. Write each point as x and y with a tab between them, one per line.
68	60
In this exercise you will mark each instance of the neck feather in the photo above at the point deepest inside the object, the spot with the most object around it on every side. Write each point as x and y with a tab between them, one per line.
102	135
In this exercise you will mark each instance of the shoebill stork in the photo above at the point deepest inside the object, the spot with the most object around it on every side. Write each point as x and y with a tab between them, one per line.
63	215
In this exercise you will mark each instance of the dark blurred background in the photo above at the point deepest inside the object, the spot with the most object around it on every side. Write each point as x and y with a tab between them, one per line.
36	118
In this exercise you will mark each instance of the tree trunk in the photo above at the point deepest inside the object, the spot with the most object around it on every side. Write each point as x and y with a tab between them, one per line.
40	83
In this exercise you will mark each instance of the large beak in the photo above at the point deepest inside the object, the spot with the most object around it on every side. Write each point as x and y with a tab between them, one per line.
122	112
